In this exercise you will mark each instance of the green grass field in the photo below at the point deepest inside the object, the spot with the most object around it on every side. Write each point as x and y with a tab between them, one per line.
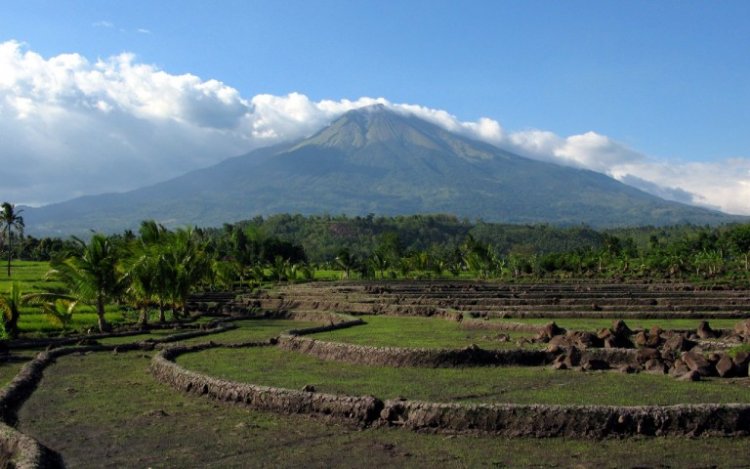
250	330
415	332
522	385
104	410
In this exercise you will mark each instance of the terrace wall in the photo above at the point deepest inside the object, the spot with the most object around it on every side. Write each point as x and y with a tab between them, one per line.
501	419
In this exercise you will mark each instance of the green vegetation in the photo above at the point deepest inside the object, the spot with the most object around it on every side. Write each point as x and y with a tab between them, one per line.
521	385
11	225
392	331
147	424
253	330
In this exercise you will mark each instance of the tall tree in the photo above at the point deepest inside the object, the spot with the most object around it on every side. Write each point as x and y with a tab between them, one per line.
10	221
91	275
10	306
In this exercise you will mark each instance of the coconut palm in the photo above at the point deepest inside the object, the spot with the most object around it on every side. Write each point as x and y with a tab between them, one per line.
187	265
91	275
10	306
10	221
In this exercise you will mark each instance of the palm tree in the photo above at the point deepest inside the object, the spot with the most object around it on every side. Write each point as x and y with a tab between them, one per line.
10	307
346	261
10	220
91	275
187	265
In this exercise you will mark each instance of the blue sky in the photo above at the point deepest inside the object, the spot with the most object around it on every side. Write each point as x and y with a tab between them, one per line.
668	80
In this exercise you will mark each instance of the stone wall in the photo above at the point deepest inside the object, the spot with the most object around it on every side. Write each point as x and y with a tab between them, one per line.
361	410
23	451
571	421
417	357
500	419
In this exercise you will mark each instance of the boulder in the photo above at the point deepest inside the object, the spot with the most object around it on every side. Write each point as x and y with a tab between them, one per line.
559	363
645	354
679	368
572	358
551	330
704	331
741	362
584	340
655	366
678	343
559	341
690	376
628	369
593	364
655	336
620	329
618	342
697	362
725	367
743	328
641	339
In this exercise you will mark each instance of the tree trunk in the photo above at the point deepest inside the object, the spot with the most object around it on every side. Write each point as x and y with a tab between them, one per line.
10	250
162	316
11	325
143	320
103	324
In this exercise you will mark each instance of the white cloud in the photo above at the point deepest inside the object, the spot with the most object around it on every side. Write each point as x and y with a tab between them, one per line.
103	24
70	126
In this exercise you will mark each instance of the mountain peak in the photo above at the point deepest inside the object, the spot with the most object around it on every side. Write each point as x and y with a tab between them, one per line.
378	125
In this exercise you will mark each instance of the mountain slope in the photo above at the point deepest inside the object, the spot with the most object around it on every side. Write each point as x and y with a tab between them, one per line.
374	160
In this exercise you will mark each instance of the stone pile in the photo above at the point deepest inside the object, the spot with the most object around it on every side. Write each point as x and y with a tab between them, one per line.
679	354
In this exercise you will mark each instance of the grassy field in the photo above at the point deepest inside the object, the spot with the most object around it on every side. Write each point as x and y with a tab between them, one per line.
30	278
591	324
99	418
252	330
392	331
522	385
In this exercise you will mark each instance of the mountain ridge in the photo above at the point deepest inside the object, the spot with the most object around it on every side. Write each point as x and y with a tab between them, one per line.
375	160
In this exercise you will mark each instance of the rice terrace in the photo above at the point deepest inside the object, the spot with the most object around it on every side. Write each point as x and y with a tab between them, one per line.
365	234
415	373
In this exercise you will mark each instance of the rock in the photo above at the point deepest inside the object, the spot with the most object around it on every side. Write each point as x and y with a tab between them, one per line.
618	342
620	329
741	362
697	362
705	332
645	354
559	341
627	369
655	336
559	362
725	367
655	366
572	358
595	364
584	340
743	328
679	368
604	333
641	339
308	388
690	376
678	343
551	330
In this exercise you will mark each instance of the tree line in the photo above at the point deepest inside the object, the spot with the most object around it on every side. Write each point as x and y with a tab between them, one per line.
156	269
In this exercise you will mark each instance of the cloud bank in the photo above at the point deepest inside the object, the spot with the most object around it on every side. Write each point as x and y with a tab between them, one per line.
70	126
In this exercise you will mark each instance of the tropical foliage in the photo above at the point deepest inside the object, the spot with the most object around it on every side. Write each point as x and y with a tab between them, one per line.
11	224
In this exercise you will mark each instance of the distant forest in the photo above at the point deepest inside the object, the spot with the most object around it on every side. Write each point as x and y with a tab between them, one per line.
441	245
